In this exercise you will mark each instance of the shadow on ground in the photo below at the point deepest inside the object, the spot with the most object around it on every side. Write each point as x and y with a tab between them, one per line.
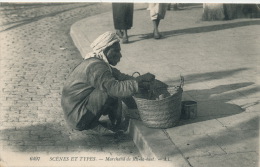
203	77
211	28
52	137
202	29
216	102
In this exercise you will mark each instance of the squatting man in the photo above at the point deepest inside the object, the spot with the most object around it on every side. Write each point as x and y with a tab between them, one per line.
95	88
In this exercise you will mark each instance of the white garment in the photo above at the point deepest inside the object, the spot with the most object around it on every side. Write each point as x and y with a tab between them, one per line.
100	44
157	10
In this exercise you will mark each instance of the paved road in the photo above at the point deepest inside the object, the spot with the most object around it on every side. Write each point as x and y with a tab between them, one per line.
36	55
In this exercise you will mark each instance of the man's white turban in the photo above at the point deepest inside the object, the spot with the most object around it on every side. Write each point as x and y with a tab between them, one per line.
101	43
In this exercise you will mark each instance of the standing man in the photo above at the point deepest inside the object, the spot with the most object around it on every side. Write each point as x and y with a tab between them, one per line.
157	13
123	19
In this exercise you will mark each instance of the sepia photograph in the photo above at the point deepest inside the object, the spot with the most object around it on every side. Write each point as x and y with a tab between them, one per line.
129	84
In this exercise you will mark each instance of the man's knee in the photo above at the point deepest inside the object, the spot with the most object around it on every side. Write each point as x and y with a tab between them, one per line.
101	104
96	101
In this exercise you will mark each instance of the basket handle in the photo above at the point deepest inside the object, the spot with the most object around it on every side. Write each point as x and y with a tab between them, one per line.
150	90
136	73
181	81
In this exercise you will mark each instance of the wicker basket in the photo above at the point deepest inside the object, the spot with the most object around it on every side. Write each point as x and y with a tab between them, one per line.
164	113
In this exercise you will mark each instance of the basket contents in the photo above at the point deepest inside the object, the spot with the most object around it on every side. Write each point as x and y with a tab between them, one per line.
157	91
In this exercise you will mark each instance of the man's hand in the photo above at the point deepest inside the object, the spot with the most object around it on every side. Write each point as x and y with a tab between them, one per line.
148	77
144	81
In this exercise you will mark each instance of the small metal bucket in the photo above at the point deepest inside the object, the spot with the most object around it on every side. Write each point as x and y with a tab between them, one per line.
189	110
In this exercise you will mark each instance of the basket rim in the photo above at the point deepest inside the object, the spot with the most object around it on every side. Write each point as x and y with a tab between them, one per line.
180	90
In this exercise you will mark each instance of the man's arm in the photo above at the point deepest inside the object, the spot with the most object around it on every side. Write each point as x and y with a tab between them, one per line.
100	77
121	76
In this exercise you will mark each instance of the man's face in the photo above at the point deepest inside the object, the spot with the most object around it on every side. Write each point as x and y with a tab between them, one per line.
113	54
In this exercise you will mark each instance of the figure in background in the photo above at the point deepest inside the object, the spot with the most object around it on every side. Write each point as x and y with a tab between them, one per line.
123	19
157	12
176	6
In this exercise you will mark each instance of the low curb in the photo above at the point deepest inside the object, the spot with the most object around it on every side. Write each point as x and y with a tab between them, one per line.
155	143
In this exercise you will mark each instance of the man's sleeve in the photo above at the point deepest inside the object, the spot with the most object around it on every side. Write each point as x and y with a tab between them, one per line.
101	78
121	76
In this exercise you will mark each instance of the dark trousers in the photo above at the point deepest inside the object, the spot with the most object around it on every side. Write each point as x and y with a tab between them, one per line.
101	104
123	15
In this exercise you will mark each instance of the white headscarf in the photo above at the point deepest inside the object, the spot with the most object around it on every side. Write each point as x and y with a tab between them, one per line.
100	44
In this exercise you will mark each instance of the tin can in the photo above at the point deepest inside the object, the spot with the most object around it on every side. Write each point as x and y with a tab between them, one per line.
189	110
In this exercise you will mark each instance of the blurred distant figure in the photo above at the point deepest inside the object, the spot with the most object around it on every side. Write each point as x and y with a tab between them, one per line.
169	6
176	6
123	19
157	12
